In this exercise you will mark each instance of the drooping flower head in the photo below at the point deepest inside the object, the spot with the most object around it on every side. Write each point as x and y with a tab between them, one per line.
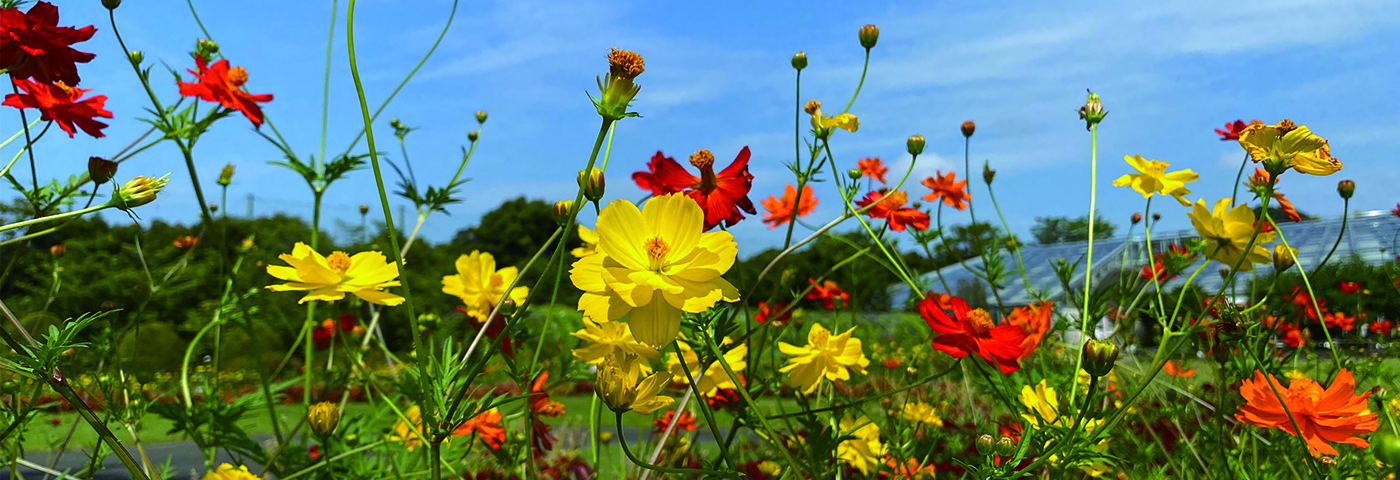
971	331
32	45
1324	416
1227	232
1153	178
223	85
780	210
829	293
652	264
825	356
622	391
1035	320
952	193
721	195
611	339
480	286
61	103
1286	145
872	168
328	279
890	206
541	406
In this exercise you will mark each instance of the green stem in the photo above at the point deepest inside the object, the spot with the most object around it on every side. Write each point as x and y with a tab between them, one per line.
863	69
762	419
50	218
656	468
1089	256
1326	331
326	85
704	406
1346	203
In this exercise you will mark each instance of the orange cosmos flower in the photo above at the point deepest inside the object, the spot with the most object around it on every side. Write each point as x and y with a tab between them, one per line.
1350	287
780	210
891	208
873	168
686	422
1289	332
828	293
60	103
721	195
909	470
186	241
221	84
541	406
1173	370
488	426
954	194
1337	319
1335	414
1035	321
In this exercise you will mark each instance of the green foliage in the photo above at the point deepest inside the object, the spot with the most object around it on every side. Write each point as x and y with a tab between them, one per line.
1049	230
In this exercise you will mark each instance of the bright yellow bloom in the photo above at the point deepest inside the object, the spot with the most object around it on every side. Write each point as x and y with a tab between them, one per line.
408	435
652	264
1227	232
844	121
330	278
920	412
1296	374
864	451
590	242
1041	401
480	285
1152	177
609	339
621	391
714	378
1290	146
227	472
825	356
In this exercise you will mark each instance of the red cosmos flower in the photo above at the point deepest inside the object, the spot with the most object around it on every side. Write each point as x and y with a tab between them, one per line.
60	103
891	208
488	426
1166	264
1232	130
686	422
873	168
954	194
1396	211
726	398
764	312
828	293
970	331
1382	327
221	84
780	210
1337	319
32	45
1304	302
1287	208
1035	322
1320	416
721	195
891	363
1350	287
322	334
540	405
1288	331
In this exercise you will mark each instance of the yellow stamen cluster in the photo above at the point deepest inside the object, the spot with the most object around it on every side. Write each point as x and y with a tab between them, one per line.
980	319
702	159
338	261
625	63
812	107
237	76
657	248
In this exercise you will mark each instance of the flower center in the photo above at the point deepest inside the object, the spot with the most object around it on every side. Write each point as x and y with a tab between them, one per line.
819	338
980	320
72	92
625	63
339	261
237	76
1286	126
657	248
495	281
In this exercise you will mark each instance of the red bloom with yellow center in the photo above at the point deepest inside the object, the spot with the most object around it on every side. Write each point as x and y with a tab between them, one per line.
953	193
1350	287
62	104
872	168
780	210
221	84
829	293
891	207
1382	327
32	45
1323	416
721	195
971	331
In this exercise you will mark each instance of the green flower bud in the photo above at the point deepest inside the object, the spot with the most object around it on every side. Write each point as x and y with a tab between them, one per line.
111	4
136	57
854	173
915	144
473	135
986	445
1099	356
1346	188
138	191
563	210
593	183
799	61
869	34
1006	446
364	209
226	175
480	116
1092	112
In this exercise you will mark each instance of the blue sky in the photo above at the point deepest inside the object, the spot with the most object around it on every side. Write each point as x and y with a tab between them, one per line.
718	77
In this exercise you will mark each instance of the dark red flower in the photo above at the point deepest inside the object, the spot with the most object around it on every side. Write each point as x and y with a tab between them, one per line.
221	84
314	452
1350	287
721	195
829	293
891	208
60	103
32	45
764	312
727	398
321	335
970	331
1232	130
1396	211
541	406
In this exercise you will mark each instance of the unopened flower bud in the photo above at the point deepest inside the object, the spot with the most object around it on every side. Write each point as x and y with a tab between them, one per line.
213	207
473	135
605	437
987	173
364	209
57	250
395	124
812	107
915	144
508	306
799	60
481	116
206	47
1156	217
1099	356
563	210
323	417
869	34
854	173
1346	188
986	445
1224	273
593	183
1006	446
1137	218
100	170
1092	112
226	175
246	244
136	57
1283	259
111	4
138	191
968	128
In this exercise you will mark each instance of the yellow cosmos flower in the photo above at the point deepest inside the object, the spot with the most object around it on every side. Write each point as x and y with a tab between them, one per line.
621	391
652	264
1289	146
714	377
590	242
1042	402
825	356
920	412
864	451
844	121
1227	232
480	285
1152	177
227	472
408	435
611	339
330	278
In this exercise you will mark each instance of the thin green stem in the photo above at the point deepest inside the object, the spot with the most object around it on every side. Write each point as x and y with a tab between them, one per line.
1346	204
704	406
762	419
326	85
1089	256
51	218
656	468
863	69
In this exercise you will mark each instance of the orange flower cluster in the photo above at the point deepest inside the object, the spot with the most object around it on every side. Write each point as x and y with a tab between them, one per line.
1323	416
